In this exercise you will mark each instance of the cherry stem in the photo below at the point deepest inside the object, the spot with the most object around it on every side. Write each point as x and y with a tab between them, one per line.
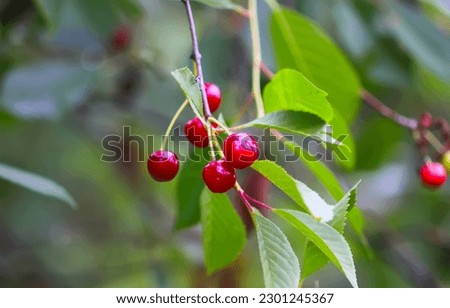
172	123
257	57
243	197
211	141
434	141
386	111
214	120
262	204
197	58
266	70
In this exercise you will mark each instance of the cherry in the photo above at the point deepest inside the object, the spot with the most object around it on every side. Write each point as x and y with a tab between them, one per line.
196	132
163	165
433	174
214	96
219	176
425	120
121	38
240	150
446	160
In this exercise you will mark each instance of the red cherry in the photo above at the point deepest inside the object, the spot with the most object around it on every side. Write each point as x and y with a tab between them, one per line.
433	174
214	96
425	120
163	165
121	38
219	176
240	150
196	132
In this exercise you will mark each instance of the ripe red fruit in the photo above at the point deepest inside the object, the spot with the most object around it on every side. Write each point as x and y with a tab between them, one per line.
240	150
219	176
196	132
163	165
214	96
425	120
433	174
121	38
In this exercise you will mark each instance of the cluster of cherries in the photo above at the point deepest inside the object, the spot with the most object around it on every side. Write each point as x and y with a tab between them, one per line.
240	150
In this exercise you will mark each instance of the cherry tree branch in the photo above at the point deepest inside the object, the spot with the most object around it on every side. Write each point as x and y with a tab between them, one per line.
197	57
386	111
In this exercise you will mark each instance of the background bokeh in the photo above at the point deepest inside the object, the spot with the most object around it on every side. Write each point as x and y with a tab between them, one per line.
63	88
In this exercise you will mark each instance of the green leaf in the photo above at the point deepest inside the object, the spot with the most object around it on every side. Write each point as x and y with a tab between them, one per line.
326	238
223	231
279	262
299	192
345	155
314	258
291	90
340	209
296	122
36	183
318	168
191	89
426	43
281	179
189	187
27	95
301	45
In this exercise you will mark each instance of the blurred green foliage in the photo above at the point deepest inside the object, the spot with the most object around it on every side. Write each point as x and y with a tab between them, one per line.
63	89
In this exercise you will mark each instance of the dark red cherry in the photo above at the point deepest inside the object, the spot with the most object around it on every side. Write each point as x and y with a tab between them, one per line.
240	150
214	96
196	132
219	176
433	174
163	165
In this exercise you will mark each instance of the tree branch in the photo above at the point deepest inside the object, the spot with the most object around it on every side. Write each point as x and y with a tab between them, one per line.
384	110
197	58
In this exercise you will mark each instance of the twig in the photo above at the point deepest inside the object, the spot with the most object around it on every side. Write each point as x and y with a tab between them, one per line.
197	57
261	204
241	193
266	70
375	103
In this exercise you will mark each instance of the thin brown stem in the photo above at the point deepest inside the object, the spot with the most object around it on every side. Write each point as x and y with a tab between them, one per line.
261	204
197	57
386	111
266	70
241	193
